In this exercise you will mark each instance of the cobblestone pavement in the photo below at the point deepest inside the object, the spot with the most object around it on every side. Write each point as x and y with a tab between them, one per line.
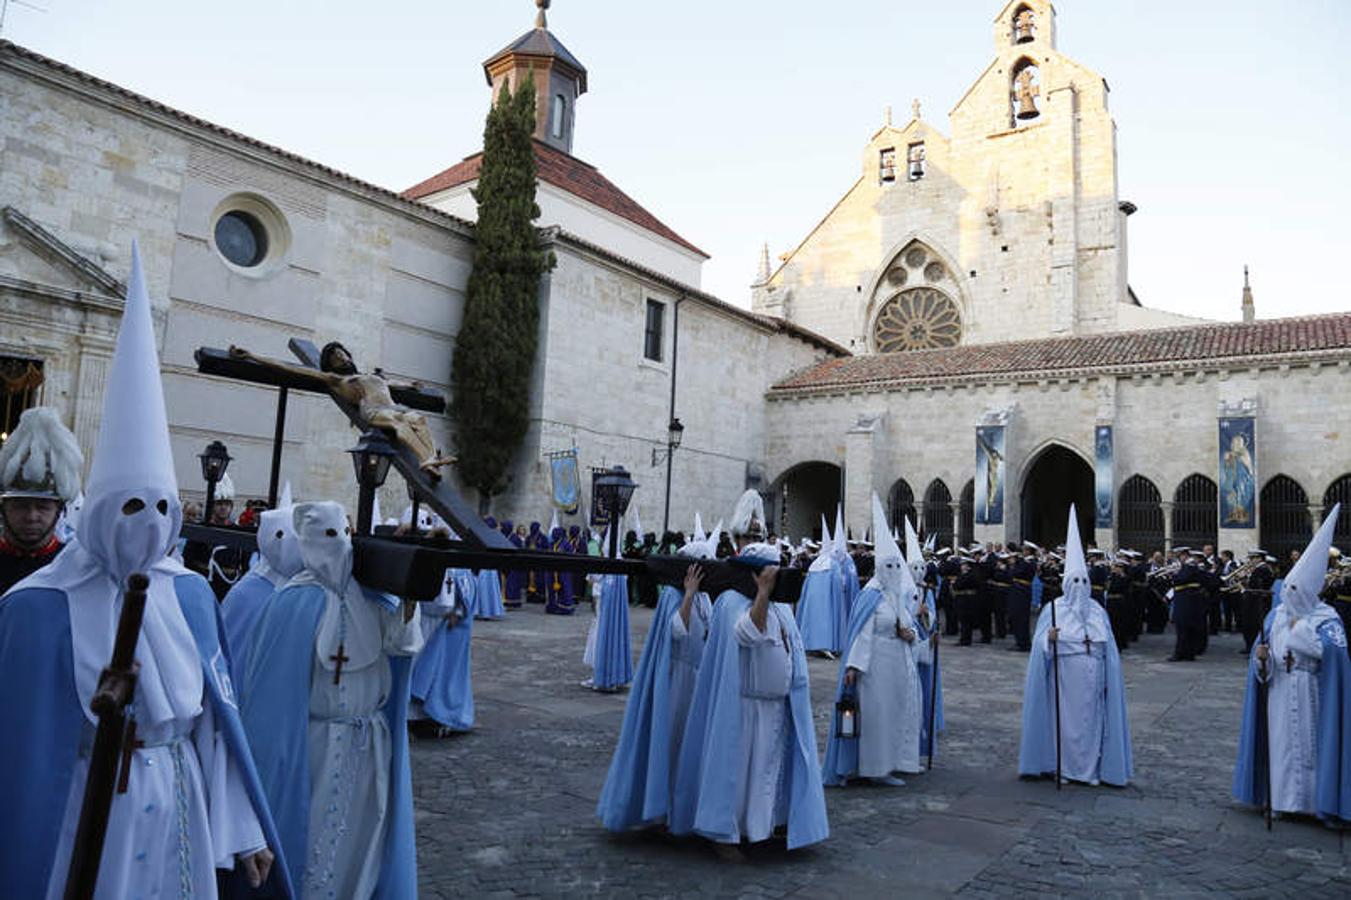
508	810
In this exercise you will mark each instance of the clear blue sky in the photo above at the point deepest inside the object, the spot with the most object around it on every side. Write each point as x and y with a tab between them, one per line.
741	121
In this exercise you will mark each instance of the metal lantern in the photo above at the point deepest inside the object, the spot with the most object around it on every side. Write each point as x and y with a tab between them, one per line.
674	432
611	495
370	459
215	460
846	716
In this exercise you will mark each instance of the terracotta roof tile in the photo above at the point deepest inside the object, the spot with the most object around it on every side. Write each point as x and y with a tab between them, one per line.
563	171
1053	357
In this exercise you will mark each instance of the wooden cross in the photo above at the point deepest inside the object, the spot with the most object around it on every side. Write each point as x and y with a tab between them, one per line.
1289	661
338	659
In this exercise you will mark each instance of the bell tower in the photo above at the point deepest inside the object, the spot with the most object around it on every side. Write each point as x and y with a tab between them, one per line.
559	79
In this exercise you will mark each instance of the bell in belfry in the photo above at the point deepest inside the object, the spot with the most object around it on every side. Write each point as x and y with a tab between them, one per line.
1025	93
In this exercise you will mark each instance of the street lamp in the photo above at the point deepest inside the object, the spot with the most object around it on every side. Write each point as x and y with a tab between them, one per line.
611	496
370	459
675	430
215	459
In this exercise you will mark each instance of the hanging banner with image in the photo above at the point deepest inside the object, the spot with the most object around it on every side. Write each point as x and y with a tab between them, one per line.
1238	472
990	474
1102	476
566	483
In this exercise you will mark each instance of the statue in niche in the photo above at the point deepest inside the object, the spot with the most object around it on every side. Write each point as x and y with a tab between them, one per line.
1025	92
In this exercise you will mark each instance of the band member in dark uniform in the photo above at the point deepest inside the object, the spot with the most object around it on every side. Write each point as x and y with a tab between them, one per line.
949	567
1256	598
1118	602
1190	600
966	590
1337	589
998	591
1021	572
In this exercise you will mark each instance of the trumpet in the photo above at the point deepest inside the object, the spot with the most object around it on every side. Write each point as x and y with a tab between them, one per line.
1166	570
1239	575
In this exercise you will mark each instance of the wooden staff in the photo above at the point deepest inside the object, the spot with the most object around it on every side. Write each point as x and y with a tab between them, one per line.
1264	735
1055	675
116	687
933	696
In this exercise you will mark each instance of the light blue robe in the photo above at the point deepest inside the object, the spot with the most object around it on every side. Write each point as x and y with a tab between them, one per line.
36	771
614	658
239	612
821	615
488	596
442	677
637	789
1333	788
924	665
276	689
1037	754
842	755
851	586
708	774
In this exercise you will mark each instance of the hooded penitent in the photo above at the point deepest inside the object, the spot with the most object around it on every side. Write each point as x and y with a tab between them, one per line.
891	575
1305	579
277	541
913	554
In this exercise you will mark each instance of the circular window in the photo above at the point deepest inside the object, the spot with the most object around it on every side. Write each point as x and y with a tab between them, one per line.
917	319
914	258
934	271
250	234
897	275
241	239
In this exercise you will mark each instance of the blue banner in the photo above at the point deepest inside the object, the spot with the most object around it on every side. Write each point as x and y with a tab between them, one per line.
990	474
566	482
1102	476
1238	473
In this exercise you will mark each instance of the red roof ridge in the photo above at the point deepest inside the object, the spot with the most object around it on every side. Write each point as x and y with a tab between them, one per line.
1125	350
563	170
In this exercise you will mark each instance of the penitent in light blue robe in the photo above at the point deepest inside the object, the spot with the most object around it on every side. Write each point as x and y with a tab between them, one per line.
442	679
276	715
1037	754
821	615
841	762
1332	793
637	787
708	773
928	671
614	659
239	613
36	769
488	595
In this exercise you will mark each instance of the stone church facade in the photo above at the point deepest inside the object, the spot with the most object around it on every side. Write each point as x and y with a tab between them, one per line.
970	279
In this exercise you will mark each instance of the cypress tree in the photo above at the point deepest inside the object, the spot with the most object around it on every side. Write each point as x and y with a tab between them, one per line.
495	349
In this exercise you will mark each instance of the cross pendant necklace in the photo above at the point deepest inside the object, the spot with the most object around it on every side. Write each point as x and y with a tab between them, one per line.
338	659
1289	661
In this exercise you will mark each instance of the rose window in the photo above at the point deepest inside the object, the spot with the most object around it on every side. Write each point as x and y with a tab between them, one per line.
917	319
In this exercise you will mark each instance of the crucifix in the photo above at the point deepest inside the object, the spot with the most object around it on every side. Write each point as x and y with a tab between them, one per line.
1289	661
338	659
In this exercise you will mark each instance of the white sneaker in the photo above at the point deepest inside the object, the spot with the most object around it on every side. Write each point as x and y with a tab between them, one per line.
889	781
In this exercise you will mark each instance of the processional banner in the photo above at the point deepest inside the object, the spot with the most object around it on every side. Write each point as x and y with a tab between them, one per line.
1238	472
1102	476
990	474
566	482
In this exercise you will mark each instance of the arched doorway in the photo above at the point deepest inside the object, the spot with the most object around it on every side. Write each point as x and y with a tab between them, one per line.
1139	515
1339	492
1284	516
966	515
1196	514
938	513
902	504
1054	480
804	494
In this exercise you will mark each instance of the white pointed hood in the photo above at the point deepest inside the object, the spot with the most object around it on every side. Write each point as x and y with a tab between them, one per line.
1074	581
1300	590
638	524
827	542
703	547
553	525
278	544
891	574
225	488
131	514
349	621
840	546
914	555
699	528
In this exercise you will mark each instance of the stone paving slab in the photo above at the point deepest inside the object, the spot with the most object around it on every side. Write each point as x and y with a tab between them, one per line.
508	810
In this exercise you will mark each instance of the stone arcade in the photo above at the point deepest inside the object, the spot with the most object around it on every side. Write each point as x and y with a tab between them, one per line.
970	279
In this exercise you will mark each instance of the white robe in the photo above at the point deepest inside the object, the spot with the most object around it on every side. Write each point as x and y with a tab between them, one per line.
350	749
890	705
1292	712
766	678
1083	688
687	651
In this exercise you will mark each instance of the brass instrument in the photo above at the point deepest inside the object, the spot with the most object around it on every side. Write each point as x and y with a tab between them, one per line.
1235	579
1166	570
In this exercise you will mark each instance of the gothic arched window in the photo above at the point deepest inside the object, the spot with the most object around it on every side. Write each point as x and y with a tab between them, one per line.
917	312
